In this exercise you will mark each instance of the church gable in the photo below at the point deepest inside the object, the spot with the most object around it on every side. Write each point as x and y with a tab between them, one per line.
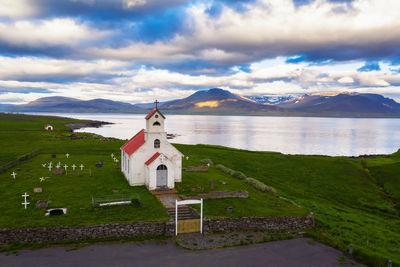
155	111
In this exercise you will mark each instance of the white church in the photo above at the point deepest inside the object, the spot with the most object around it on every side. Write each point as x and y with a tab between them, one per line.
149	159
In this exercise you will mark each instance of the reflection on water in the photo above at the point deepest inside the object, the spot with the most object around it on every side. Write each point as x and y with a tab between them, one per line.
289	135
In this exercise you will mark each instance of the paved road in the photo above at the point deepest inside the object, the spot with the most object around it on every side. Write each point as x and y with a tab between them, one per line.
295	252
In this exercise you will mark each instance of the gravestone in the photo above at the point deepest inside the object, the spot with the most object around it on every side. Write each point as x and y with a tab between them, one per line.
37	189
58	171
212	184
223	182
41	204
118	165
13	175
53	156
99	164
229	209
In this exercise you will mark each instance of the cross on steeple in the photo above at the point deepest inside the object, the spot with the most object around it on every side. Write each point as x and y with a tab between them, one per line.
156	102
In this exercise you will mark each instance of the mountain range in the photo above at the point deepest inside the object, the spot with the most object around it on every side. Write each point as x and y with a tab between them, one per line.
222	102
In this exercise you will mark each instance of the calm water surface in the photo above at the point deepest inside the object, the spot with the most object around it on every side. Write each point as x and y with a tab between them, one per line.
289	135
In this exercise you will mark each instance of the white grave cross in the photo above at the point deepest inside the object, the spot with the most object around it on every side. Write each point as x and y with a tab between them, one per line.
81	167
13	174
44	165
65	167
42	179
73	167
25	203
50	167
67	155
112	155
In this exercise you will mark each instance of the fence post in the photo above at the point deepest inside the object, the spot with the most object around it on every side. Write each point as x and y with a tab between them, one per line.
351	250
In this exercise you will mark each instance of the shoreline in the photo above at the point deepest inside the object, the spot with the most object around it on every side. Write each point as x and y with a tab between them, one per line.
89	124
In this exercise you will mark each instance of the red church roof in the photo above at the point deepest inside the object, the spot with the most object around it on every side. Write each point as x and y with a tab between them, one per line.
132	145
150	160
152	113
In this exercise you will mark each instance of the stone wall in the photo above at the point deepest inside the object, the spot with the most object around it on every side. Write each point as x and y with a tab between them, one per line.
258	223
124	230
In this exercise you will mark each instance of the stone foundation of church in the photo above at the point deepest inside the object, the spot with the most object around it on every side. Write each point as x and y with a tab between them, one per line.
126	230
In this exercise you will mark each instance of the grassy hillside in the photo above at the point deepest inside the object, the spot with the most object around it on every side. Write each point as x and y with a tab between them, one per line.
354	200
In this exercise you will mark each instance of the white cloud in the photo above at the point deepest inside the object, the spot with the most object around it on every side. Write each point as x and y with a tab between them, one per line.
133	3
59	31
23	67
346	80
17	8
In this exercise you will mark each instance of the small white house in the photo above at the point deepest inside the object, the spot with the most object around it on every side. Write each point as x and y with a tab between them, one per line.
48	127
149	159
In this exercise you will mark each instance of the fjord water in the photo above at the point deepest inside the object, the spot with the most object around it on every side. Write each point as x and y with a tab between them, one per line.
289	135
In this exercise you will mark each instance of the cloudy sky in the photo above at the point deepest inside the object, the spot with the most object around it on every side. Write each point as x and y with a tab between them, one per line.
139	50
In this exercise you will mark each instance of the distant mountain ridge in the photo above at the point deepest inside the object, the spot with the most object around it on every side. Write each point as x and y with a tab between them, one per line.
217	101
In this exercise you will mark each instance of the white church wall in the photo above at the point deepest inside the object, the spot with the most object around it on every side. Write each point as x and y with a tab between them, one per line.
137	169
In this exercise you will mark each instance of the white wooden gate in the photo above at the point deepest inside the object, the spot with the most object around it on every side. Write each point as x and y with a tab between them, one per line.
186	226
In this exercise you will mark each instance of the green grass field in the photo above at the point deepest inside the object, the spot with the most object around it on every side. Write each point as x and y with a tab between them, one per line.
348	202
354	200
257	204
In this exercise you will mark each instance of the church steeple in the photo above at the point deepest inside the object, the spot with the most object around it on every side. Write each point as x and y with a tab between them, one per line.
155	120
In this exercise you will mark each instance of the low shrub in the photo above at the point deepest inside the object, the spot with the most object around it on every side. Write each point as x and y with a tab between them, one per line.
224	169
239	175
207	161
260	186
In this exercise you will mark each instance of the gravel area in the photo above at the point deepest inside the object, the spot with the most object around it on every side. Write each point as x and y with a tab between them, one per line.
198	241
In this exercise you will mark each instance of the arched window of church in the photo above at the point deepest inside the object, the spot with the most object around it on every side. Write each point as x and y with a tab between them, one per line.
156	143
156	123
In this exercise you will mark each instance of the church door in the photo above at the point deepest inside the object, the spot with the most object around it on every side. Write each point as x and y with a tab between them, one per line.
162	176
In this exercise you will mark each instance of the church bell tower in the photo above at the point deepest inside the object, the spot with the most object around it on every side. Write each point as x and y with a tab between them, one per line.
155	121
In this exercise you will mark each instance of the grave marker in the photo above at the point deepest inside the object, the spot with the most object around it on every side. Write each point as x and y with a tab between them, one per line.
37	190
42	179
25	203
81	167
187	157
73	167
44	165
67	155
50	167
112	155
13	174
65	167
